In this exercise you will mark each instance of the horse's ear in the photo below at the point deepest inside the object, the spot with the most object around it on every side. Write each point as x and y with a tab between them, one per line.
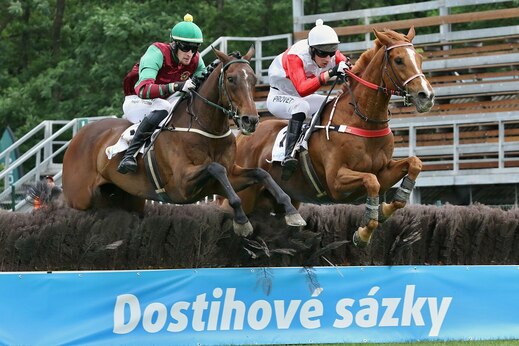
224	58
250	53
381	37
410	35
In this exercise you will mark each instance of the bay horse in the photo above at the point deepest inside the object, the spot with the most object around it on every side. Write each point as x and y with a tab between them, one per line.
348	152
194	152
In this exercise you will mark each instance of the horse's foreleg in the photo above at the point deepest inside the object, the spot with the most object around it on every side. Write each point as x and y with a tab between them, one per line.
241	223
244	177
408	169
346	181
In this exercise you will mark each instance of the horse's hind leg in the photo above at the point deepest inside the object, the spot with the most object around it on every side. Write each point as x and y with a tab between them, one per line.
245	177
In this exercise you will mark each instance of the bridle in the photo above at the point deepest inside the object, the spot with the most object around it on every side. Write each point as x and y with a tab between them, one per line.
400	86
231	112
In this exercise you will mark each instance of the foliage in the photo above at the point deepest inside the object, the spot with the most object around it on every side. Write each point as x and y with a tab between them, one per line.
75	69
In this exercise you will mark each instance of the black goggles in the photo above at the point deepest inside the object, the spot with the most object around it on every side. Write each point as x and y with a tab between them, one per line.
322	53
186	47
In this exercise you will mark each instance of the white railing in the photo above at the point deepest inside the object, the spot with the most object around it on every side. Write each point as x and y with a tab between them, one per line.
43	158
501	151
368	16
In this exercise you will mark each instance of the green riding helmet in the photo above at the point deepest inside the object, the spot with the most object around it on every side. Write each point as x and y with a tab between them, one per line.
187	31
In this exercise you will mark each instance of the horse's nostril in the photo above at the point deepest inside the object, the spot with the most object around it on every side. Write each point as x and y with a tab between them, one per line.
425	96
249	120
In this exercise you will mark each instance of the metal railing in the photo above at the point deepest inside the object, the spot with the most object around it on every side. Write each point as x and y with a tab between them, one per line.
501	152
47	145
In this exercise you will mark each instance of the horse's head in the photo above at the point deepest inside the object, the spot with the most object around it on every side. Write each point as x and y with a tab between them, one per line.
403	68
237	84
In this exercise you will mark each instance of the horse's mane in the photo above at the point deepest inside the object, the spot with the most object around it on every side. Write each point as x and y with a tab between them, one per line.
368	55
365	58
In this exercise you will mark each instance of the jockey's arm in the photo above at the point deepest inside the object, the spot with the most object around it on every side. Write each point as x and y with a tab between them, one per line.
149	67
296	73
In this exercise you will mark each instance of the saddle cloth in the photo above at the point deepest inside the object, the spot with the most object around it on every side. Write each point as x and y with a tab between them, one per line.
123	142
127	136
278	149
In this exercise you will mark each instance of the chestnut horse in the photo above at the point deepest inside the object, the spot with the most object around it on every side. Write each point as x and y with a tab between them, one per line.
194	152
348	152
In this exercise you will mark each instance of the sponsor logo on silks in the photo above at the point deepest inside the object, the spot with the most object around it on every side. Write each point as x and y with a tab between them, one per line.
223	312
283	99
185	75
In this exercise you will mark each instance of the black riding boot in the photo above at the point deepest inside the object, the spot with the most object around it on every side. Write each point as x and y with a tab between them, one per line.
290	162
143	132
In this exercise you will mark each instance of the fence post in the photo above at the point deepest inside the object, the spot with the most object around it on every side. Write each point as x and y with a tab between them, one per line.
13	197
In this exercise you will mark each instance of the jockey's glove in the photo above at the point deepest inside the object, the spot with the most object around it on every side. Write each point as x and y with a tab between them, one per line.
338	69
184	86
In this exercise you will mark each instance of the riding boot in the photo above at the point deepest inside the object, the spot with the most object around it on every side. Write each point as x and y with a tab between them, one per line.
143	132
290	162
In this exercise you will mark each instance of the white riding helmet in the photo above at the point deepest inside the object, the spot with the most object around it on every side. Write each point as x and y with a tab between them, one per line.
322	35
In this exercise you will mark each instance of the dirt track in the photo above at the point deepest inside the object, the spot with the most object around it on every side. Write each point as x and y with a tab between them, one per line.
193	236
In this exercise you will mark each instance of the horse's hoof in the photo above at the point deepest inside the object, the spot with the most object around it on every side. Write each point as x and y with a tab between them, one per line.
295	220
243	230
358	242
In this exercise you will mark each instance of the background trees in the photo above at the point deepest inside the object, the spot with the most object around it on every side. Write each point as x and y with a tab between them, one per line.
61	59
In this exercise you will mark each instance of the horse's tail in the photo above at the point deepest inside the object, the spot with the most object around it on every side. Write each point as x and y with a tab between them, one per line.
41	194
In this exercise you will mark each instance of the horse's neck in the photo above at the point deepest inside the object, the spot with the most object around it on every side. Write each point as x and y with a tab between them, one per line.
372	103
208	116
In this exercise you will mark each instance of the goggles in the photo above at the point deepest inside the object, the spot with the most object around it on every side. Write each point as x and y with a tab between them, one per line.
186	47
322	53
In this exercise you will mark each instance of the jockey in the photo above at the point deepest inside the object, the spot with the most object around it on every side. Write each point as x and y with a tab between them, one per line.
151	86
294	77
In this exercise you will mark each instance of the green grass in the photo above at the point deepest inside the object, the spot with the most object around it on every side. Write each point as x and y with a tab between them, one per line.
437	343
430	343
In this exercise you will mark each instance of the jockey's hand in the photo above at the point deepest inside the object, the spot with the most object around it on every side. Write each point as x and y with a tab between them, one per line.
184	86
348	62
338	69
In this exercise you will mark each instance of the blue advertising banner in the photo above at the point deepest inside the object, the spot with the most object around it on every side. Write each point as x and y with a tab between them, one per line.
260	305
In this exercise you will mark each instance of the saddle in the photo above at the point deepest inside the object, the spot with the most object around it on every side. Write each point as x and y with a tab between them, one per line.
301	151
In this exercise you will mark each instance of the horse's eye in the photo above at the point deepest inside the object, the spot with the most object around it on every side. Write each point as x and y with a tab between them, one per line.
230	80
399	61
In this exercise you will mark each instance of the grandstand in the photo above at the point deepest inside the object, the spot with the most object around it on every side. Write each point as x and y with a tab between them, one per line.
469	141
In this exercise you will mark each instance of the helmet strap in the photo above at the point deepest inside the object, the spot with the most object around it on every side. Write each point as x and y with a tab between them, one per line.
312	52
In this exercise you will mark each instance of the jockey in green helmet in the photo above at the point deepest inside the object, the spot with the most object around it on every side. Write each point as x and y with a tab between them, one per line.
151	87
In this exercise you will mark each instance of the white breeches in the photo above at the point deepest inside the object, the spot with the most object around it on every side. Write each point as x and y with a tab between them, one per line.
283	106
135	108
